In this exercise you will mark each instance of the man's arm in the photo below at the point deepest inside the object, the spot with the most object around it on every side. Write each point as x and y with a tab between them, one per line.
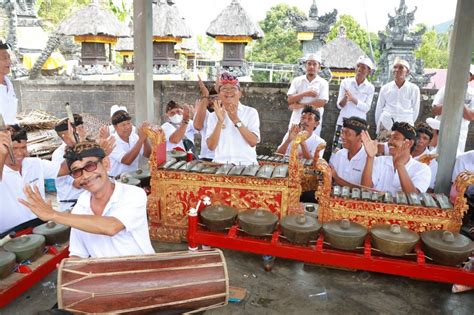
341	97
200	116
399	166
295	98
131	155
437	109
214	137
249	136
5	143
88	223
289	137
339	180
416	104
468	114
379	107
370	147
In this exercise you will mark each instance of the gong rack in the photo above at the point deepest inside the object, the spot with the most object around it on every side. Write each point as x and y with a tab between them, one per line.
368	258
27	275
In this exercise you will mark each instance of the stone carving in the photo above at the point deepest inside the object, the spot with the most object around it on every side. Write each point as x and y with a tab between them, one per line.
398	41
319	26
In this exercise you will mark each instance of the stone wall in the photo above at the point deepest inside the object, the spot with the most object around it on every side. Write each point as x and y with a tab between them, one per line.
96	97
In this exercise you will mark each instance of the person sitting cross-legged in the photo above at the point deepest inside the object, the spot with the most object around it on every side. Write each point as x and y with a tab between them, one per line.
348	163
109	219
398	171
309	121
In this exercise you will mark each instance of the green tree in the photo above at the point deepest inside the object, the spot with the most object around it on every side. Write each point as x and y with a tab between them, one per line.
280	44
433	49
55	11
356	33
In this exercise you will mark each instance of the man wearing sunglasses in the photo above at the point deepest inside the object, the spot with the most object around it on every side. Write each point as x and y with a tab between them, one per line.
15	174
109	219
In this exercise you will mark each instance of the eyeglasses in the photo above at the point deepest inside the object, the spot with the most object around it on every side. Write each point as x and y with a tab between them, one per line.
89	167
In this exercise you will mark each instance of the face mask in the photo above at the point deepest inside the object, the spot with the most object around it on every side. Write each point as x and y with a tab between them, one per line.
176	119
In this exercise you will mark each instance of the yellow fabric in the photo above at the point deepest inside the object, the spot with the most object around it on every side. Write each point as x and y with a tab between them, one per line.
55	61
167	39
305	36
96	39
234	39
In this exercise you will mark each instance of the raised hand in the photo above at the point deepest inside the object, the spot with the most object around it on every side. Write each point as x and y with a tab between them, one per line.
370	145
104	132
399	153
294	130
43	210
107	144
350	97
187	112
5	142
202	88
231	109
219	111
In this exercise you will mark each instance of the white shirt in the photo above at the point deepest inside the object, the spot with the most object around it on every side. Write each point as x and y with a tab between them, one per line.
464	162
232	147
169	129
301	84
128	205
349	170
386	179
122	148
311	144
64	188
364	93
8	102
205	153
401	104
433	167
34	171
469	103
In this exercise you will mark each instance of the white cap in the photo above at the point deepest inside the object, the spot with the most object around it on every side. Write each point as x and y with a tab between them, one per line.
115	108
433	123
403	62
366	61
471	70
313	57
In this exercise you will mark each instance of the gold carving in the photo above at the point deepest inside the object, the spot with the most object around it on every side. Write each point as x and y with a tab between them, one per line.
369	213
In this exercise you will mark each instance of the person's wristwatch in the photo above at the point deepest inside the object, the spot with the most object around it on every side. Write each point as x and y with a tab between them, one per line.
238	124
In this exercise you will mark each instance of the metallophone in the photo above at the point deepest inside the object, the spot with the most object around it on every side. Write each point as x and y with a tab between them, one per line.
28	273
417	212
177	185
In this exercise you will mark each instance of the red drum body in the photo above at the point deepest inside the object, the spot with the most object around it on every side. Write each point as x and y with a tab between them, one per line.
174	282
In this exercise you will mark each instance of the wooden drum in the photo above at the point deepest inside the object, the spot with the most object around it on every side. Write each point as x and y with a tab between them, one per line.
173	283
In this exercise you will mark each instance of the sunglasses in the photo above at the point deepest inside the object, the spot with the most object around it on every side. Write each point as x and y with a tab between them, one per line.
89	167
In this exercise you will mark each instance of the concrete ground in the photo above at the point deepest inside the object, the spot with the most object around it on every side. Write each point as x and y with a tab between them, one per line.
293	287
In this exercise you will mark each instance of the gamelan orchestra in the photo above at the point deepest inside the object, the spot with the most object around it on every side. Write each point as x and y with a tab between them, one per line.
372	204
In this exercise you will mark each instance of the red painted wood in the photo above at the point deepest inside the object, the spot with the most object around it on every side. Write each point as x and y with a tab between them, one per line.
367	260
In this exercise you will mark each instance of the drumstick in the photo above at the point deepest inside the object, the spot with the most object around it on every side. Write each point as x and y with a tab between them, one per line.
10	147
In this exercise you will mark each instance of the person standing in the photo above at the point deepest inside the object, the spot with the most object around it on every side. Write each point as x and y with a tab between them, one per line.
8	100
399	100
468	111
309	89
355	97
233	129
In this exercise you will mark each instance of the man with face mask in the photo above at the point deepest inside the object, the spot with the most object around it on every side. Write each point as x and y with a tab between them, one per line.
129	146
8	100
179	130
398	171
203	110
233	129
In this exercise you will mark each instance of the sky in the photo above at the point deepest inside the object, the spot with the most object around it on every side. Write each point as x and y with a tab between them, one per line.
200	13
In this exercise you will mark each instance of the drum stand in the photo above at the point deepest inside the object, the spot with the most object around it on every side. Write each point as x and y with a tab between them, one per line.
415	266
